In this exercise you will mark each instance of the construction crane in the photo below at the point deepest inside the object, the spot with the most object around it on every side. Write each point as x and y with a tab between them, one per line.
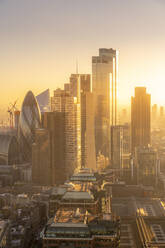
10	117
11	109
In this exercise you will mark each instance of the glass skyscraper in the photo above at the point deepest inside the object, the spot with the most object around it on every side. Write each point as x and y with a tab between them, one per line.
30	119
104	87
43	100
140	118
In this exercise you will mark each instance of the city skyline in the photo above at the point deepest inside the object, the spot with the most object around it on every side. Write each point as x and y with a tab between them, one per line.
41	42
82	123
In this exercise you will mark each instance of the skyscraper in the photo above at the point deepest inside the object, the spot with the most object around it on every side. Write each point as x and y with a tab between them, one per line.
43	100
79	83
140	118
154	112
147	164
48	151
80	87
54	122
104	87
30	119
161	111
116	146
62	101
88	153
41	158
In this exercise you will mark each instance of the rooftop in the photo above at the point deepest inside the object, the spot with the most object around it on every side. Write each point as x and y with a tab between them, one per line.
78	195
73	216
83	177
78	223
133	206
152	230
58	190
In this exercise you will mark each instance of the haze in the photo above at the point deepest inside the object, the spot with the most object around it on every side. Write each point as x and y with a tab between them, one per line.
41	41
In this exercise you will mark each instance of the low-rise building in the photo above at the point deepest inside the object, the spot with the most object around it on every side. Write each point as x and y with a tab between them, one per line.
152	231
78	228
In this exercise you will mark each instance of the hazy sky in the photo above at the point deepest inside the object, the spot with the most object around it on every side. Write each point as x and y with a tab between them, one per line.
40	41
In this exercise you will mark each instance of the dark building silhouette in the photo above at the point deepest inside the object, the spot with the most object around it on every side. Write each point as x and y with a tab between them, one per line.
9	153
117	147
126	138
54	122
41	158
147	164
48	152
140	118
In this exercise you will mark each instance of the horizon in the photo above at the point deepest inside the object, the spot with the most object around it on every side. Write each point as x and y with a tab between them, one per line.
41	42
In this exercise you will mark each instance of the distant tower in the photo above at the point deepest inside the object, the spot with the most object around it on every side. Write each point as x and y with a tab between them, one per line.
67	87
124	116
104	87
140	118
161	111
154	112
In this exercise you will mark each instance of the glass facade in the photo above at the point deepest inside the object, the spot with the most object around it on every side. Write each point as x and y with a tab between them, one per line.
30	119
43	100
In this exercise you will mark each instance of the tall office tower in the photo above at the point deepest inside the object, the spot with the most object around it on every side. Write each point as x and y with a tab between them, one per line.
67	87
104	87
80	87
117	146
127	166
54	122
126	138
62	101
79	83
124	118
88	153
41	158
154	112
140	118
147	164
161	111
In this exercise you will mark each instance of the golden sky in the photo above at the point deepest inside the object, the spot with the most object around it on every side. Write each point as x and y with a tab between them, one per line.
41	41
